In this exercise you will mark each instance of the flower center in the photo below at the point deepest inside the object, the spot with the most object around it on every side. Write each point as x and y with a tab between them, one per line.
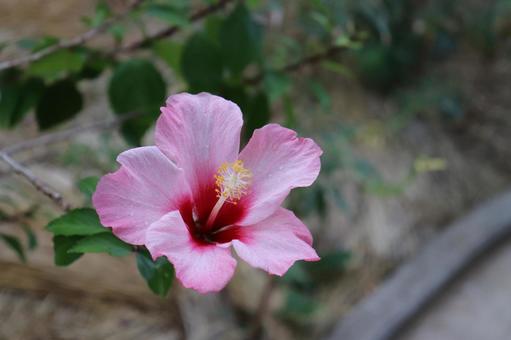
232	182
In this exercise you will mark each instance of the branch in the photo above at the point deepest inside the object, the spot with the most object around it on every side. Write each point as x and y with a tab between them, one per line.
169	31
73	42
36	182
62	135
300	64
49	139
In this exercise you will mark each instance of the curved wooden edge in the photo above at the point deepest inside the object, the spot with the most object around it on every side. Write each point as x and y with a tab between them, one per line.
381	315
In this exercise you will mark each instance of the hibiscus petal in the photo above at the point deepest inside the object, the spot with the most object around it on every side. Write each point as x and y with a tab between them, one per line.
200	266
199	132
275	243
279	161
147	186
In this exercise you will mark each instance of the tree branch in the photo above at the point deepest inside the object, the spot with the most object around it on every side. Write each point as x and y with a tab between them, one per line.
169	31
73	42
36	182
62	135
300	64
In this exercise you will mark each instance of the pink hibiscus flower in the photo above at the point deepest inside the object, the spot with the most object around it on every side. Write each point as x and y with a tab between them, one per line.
193	195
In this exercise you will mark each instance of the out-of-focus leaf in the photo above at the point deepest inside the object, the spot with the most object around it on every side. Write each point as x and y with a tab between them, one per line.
298	307
82	221
201	63
321	95
136	87
101	13
170	52
59	103
101	243
61	245
17	97
240	39
170	14
31	237
88	185
339	200
331	264
15	244
158	274
35	45
337	67
58	65
276	85
258	113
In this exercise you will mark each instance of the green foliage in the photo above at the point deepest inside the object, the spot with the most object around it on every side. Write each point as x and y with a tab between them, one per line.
170	52
14	244
101	243
136	86
59	102
82	221
158	274
88	185
58	65
201	63
17	96
240	39
61	246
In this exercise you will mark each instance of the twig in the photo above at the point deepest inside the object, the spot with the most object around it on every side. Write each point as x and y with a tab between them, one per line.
167	32
62	135
298	65
262	308
36	182
73	42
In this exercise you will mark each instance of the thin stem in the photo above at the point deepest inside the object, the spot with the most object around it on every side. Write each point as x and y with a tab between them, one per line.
262	308
73	42
169	31
41	186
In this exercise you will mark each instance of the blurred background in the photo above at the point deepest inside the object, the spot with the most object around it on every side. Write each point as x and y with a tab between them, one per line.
409	100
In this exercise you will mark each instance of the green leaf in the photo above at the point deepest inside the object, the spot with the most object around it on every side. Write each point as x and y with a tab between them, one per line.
201	63
82	221
31	237
101	243
158	274
57	65
171	15
13	243
136	87
331	264
59	103
88	185
258	113
321	95
36	45
298	307
170	52
276	85
240	39
61	245
17	97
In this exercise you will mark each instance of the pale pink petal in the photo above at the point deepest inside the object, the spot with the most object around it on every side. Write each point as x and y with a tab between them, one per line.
275	243
200	266
279	161
146	187
199	132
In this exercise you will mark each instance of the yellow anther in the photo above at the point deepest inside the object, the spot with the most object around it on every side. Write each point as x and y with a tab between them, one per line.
232	181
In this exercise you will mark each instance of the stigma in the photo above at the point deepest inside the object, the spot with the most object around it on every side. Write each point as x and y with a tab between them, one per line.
232	181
